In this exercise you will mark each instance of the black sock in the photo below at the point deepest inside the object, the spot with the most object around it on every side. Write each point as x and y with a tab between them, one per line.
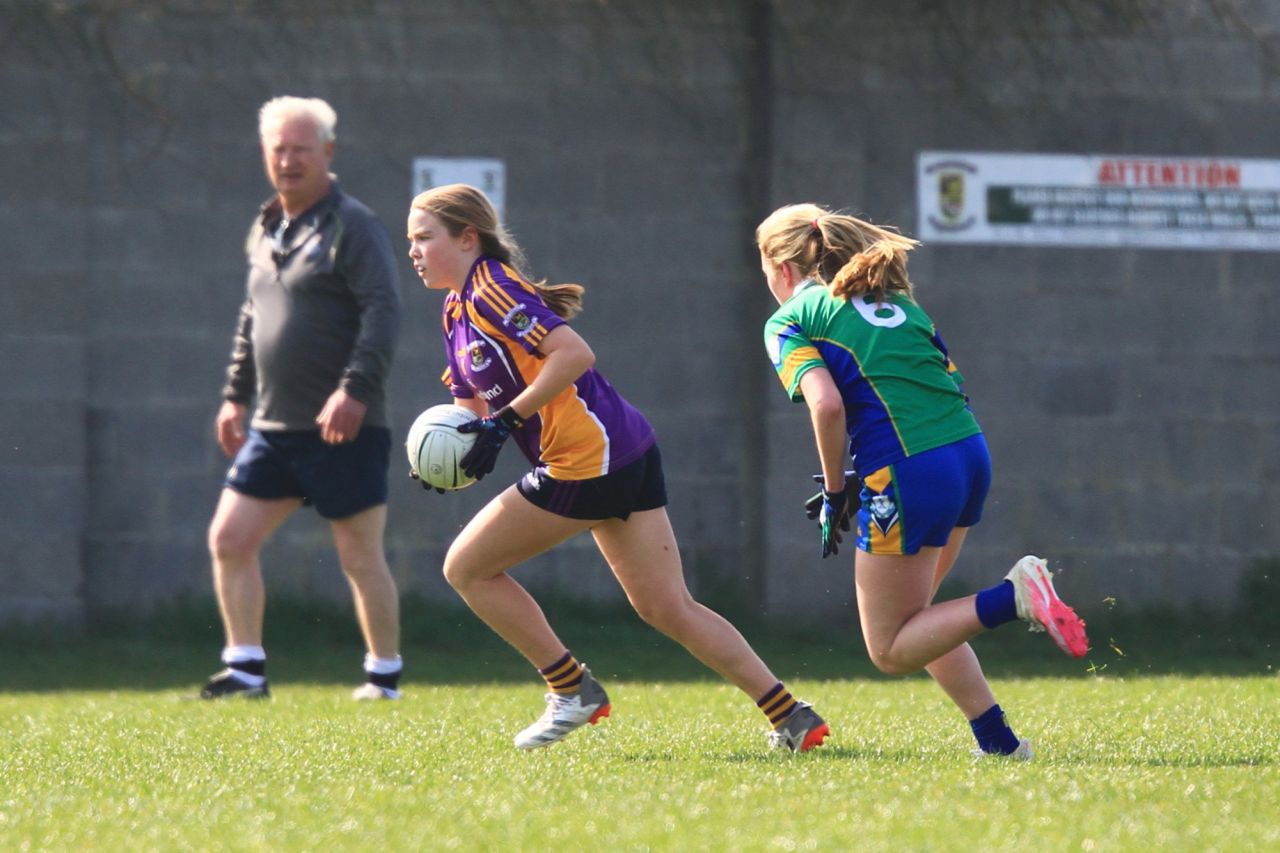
249	667
385	680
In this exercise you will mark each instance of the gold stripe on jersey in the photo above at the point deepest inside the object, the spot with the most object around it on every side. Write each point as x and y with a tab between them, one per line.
796	359
452	307
580	440
487	287
500	301
573	444
879	541
536	332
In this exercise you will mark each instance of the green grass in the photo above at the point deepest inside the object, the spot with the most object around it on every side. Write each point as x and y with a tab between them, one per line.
1166	737
1161	763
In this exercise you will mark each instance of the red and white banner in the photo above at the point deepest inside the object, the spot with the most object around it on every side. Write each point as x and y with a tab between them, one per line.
1099	200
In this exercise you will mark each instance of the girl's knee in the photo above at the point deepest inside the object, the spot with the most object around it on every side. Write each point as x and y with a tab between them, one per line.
888	664
453	573
668	617
461	572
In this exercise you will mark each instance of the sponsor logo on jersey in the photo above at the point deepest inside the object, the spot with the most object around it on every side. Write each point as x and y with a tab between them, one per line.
518	319
491	393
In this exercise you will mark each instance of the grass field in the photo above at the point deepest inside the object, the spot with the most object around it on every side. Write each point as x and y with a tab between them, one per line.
1131	754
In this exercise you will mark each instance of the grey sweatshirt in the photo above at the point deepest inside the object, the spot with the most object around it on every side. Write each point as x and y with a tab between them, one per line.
322	311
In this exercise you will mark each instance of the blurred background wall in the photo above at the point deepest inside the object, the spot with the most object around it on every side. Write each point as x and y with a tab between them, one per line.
1131	397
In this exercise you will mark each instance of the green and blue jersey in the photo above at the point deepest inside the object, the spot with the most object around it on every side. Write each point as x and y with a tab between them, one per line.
900	389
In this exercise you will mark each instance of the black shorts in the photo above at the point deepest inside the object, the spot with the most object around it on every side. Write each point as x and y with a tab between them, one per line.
340	480
635	487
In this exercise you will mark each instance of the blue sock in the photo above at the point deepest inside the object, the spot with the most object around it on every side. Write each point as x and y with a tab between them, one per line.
993	733
996	605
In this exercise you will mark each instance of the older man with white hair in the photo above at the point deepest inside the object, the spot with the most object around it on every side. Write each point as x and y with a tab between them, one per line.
313	346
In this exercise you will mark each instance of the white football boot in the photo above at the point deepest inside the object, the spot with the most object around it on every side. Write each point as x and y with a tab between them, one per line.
802	730
1024	752
370	692
565	713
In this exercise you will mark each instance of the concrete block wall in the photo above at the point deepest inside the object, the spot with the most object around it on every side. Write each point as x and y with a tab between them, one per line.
43	409
1130	397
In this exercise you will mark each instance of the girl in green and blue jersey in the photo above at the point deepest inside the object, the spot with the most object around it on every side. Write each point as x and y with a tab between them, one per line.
849	340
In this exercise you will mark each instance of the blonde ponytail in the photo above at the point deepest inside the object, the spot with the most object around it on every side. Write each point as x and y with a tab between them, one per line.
564	299
850	256
879	269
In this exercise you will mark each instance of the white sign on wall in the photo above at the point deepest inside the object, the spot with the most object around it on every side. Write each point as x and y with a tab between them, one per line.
1099	200
484	174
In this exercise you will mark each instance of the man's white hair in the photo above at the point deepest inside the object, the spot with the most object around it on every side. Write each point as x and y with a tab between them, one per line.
279	110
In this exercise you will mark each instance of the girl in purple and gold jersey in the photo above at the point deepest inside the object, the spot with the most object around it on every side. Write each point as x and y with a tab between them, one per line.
515	362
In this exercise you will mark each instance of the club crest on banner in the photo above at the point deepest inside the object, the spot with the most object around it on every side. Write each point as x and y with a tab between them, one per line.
951	195
951	202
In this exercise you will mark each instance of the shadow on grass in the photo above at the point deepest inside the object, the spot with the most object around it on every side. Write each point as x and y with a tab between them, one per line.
319	643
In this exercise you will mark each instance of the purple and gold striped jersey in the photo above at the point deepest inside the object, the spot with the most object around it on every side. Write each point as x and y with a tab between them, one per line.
491	332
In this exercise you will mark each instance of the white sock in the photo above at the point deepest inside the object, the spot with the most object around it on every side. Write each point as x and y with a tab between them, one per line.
232	655
237	654
382	666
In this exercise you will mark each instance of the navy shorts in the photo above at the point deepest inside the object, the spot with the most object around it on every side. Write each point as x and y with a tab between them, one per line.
918	501
635	487
340	480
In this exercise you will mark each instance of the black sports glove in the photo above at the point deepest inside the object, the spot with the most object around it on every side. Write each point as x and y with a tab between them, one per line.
491	433
831	511
814	504
413	475
832	518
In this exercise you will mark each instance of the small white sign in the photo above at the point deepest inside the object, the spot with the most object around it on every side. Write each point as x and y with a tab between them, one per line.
1099	200
487	175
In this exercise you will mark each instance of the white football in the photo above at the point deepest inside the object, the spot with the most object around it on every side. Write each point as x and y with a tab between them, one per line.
436	448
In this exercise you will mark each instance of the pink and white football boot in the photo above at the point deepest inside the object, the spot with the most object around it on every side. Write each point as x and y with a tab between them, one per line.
1039	605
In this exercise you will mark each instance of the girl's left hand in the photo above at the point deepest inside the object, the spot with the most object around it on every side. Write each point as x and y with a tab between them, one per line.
491	433
833	517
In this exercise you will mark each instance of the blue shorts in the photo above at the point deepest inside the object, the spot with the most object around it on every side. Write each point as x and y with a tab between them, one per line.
635	487
918	501
340	480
